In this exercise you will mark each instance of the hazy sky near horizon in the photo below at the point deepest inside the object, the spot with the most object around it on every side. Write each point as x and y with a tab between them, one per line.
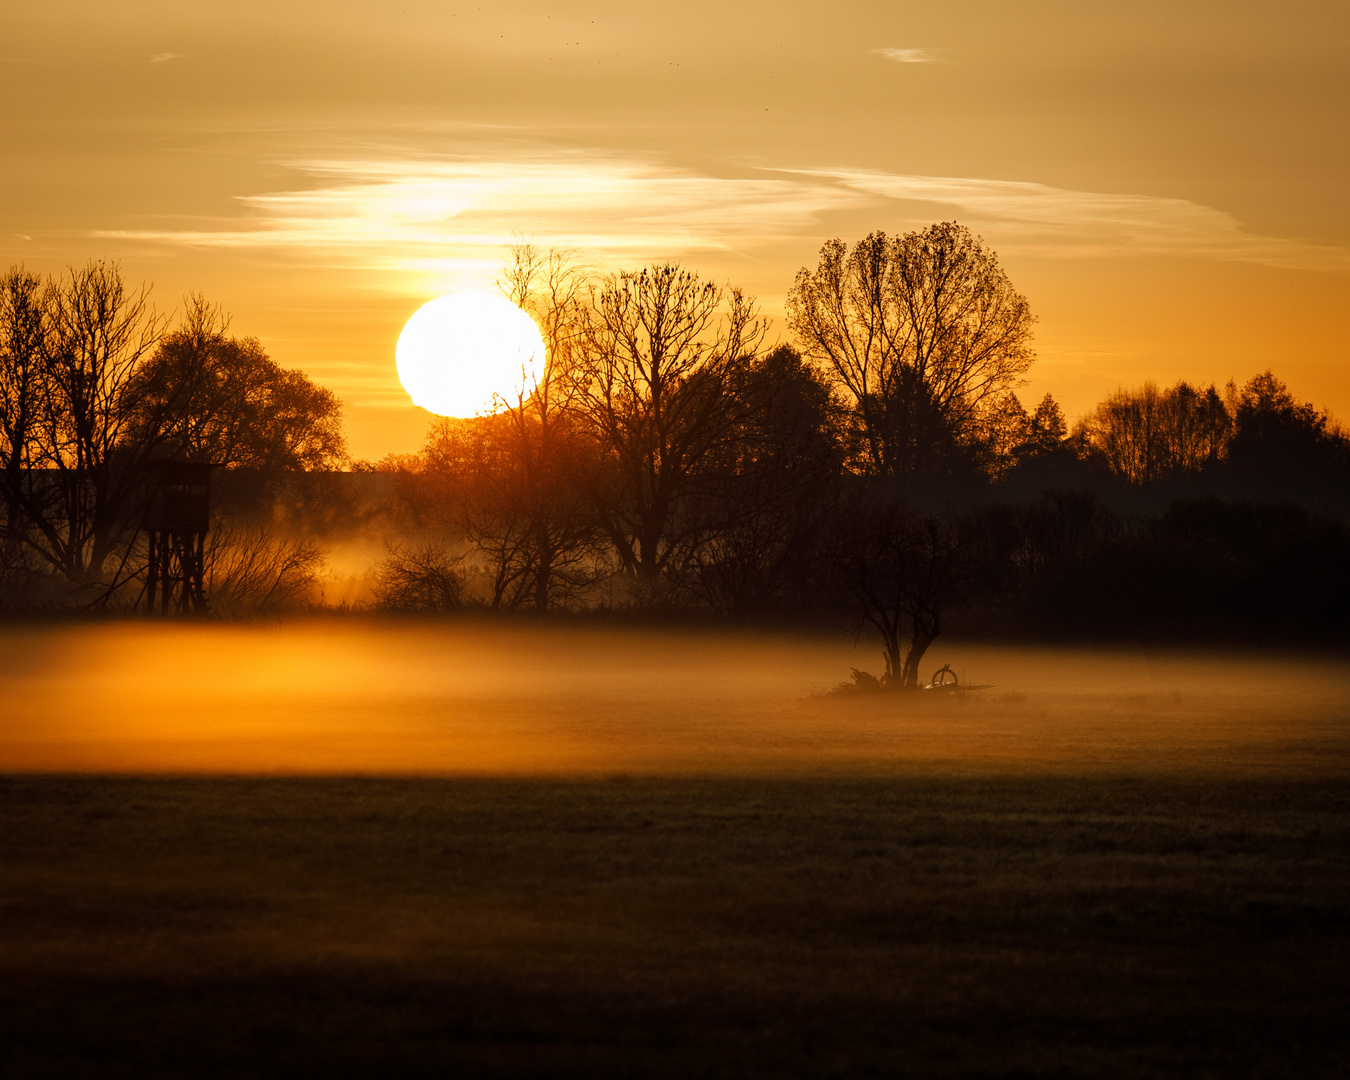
1168	187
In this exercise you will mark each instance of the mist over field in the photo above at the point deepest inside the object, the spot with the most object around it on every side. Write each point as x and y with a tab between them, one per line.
485	697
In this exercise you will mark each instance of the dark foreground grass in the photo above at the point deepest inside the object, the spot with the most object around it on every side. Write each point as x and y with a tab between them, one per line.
910	925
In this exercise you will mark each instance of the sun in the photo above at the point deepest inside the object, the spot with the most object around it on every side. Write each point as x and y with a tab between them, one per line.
462	355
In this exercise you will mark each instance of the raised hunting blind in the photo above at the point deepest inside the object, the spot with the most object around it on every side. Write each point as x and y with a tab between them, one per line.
177	516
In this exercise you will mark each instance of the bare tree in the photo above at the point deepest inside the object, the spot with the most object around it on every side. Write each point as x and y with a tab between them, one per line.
527	516
420	578
923	331
258	568
665	357
73	446
542	530
1149	434
23	340
903	570
515	484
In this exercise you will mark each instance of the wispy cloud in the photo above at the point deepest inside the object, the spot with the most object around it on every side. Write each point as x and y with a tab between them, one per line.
454	215
907	56
1041	219
446	219
165	57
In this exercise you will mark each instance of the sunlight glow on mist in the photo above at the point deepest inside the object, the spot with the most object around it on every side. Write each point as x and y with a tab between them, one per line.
478	698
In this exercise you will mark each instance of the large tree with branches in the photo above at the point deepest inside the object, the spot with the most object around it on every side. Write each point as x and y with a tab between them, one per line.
665	363
904	571
72	438
924	333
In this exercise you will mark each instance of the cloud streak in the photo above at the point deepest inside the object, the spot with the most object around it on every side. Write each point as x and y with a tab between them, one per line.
907	56
437	215
448	218
1045	220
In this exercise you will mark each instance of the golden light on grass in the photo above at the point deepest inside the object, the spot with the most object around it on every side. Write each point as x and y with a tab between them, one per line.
462	355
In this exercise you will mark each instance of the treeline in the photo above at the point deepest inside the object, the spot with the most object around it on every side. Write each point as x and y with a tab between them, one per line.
673	460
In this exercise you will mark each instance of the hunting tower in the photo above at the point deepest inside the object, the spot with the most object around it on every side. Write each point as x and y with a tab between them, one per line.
177	515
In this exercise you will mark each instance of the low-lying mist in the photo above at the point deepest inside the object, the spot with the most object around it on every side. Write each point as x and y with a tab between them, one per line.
481	697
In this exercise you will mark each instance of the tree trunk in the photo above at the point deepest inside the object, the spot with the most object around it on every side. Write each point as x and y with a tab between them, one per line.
543	569
925	630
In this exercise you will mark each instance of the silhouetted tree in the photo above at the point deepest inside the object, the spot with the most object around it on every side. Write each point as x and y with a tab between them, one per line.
526	512
23	344
518	484
767	498
926	335
420	578
1285	450
547	534
259	568
904	570
222	399
663	374
73	446
1148	434
1274	431
1044	431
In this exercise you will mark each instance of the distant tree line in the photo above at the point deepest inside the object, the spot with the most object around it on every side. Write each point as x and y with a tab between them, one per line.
877	467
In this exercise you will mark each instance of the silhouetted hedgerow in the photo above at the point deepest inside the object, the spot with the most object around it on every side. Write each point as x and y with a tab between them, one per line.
1203	570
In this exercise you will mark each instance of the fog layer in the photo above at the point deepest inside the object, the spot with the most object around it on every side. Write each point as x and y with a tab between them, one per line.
482	698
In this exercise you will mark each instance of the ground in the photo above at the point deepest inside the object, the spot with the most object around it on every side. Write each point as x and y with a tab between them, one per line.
1031	882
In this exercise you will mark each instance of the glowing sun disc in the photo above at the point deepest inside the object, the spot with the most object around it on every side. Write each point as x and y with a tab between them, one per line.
457	355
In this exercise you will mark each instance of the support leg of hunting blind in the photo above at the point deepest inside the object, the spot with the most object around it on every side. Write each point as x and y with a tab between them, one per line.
177	516
176	574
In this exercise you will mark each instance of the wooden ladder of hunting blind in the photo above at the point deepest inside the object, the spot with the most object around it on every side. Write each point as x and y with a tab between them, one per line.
177	515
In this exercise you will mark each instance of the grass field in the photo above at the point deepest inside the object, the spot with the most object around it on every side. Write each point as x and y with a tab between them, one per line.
402	850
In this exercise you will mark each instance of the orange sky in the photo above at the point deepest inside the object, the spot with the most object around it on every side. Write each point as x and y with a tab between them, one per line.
1168	188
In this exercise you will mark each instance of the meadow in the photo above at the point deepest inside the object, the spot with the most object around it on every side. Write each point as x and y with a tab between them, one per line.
351	847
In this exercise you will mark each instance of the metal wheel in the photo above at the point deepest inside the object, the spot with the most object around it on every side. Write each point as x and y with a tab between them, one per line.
943	677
